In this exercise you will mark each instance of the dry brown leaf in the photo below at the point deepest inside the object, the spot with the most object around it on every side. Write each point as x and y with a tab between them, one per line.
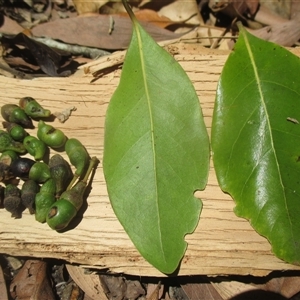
89	283
8	26
154	291
258	295
21	63
31	282
134	289
229	289
265	16
3	290
235	8
182	10
83	6
281	8
111	8
86	297
252	5
151	16
5	70
285	34
93	31
295	10
34	54
285	286
119	288
198	291
113	286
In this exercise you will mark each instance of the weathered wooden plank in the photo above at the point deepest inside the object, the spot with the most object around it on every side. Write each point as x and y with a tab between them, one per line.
221	244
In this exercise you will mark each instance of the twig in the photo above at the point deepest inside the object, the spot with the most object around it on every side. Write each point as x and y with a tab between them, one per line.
17	74
111	24
74	49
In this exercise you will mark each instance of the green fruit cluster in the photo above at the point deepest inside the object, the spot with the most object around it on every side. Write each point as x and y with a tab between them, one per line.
49	189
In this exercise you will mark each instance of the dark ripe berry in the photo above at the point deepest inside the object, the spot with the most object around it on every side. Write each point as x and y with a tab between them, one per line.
21	167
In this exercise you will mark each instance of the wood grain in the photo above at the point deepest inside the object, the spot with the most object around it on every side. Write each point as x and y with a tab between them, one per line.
222	242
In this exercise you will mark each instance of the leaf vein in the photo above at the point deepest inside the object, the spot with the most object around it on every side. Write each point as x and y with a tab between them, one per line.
138	33
252	59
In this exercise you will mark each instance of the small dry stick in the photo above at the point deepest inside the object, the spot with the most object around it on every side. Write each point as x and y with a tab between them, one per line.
292	120
111	25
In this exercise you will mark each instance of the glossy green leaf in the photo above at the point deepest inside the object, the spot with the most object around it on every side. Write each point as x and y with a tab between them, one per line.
156	152
256	140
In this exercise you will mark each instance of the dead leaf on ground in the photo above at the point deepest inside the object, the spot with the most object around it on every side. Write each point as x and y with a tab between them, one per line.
93	31
119	288
9	26
112	8
230	288
285	34
235	8
295	10
198	291
83	6
281	8
265	16
23	51
32	282
89	283
182	10
27	13
151	16
20	63
286	286
154	291
3	290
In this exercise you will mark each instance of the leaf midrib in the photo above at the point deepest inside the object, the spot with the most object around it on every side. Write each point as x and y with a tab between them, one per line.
139	38
247	43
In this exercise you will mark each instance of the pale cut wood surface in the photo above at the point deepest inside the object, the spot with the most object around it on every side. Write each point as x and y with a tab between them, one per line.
222	242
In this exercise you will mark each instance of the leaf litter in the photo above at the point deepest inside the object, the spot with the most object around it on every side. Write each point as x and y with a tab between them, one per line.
73	25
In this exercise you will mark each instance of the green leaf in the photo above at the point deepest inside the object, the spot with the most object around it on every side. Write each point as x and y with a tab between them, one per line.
256	140
156	152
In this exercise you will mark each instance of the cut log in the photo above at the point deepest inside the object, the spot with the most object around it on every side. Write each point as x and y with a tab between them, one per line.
222	244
